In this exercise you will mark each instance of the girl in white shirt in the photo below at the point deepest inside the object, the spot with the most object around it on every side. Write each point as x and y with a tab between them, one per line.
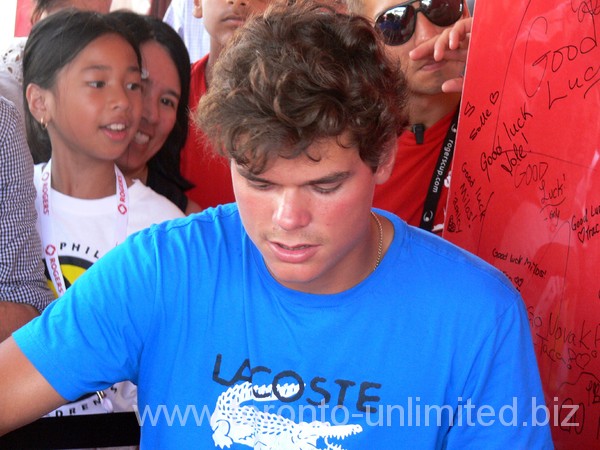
82	81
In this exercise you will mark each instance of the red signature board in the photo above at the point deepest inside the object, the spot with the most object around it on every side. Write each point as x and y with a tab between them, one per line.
525	191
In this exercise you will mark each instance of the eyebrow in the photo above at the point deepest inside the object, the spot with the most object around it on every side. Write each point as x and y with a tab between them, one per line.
171	92
174	94
106	68
334	177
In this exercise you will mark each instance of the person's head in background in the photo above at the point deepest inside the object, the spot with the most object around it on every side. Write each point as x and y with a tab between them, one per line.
82	83
43	8
280	92
165	92
223	17
12	70
406	25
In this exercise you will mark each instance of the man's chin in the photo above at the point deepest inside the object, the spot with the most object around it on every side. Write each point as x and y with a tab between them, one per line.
294	276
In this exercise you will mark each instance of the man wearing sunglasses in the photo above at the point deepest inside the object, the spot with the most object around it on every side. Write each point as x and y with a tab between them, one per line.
418	188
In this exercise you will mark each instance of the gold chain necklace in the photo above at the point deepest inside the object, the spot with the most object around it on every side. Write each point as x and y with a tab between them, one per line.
380	244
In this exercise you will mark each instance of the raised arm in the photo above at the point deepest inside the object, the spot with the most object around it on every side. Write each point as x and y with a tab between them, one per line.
25	395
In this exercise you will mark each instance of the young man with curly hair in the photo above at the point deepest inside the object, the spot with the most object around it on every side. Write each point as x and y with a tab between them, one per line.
299	317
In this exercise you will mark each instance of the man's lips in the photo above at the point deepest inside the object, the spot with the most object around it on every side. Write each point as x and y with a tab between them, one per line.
234	19
292	247
293	253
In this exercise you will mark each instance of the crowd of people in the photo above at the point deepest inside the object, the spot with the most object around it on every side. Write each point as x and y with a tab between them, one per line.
252	230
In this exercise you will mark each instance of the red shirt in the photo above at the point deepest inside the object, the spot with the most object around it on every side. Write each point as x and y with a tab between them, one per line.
405	192
208	171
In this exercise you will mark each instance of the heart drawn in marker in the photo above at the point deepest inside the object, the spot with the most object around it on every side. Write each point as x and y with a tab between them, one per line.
494	97
582	360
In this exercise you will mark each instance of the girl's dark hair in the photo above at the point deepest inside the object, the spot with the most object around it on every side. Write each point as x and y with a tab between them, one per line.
52	44
299	73
147	28
50	6
41	6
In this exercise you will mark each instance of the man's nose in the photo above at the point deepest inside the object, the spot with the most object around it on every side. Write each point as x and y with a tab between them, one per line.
291	211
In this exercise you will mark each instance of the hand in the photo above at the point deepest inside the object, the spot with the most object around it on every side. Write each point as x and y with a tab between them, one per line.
452	44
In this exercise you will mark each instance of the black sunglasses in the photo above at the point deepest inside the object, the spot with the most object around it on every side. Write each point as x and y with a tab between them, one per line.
398	22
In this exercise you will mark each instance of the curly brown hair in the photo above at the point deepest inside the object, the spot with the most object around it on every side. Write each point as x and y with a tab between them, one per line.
297	74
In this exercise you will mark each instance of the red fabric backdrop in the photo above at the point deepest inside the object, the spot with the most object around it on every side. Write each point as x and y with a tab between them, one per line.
24	7
22	19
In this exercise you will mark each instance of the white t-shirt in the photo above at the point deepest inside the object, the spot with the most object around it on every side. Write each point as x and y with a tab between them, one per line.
83	231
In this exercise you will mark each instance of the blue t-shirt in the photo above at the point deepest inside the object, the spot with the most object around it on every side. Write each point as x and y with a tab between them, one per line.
432	350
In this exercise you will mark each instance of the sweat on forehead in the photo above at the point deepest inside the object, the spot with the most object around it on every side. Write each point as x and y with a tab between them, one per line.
297	74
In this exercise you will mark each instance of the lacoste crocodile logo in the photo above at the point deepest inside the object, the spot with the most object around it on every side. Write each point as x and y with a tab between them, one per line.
232	422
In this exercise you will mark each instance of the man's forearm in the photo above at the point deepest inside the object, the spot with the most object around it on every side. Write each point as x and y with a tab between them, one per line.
13	316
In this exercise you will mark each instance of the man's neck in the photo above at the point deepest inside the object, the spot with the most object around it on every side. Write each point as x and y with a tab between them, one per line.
429	109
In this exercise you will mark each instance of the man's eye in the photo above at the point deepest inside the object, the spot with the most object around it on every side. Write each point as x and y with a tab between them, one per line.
96	84
260	186
326	188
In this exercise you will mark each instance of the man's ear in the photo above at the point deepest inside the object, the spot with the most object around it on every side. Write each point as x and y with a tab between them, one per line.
386	166
197	11
38	100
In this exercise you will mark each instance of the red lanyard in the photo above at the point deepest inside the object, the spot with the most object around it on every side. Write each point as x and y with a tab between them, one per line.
51	246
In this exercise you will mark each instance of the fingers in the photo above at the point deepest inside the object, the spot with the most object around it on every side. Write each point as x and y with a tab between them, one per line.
451	44
459	32
423	50
453	85
453	39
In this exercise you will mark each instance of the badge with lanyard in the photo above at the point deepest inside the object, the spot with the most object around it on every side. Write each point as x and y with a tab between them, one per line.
51	246
439	174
